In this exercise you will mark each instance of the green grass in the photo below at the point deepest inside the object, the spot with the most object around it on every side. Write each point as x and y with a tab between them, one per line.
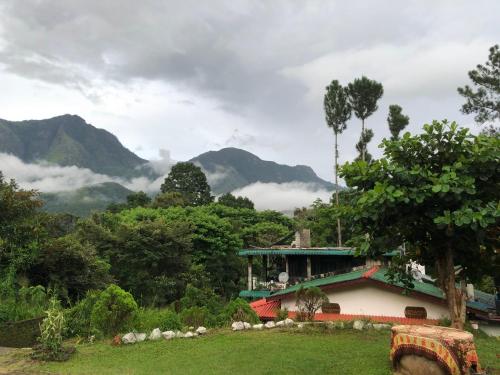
265	352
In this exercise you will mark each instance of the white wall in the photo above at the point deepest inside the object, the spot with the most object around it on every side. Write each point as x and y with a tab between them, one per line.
371	300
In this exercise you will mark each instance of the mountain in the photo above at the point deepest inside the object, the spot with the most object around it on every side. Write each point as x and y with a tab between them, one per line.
232	168
68	140
83	201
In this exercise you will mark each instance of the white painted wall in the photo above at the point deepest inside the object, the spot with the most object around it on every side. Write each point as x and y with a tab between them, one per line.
371	300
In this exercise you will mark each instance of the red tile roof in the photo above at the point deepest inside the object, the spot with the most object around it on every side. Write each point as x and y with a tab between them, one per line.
265	309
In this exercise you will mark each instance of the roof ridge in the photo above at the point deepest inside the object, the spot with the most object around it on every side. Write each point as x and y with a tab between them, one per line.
368	274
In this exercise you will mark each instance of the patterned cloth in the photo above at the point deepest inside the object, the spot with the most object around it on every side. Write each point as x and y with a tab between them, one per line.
455	354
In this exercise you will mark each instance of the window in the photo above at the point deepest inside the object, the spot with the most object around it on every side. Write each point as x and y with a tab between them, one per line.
415	312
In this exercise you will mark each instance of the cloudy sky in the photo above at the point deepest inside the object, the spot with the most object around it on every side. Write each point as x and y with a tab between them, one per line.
191	76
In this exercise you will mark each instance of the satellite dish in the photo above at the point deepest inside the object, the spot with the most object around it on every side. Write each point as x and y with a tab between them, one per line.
416	274
283	277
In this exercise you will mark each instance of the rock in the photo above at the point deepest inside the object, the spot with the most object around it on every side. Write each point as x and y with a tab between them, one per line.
258	326
289	322
201	330
155	334
281	323
339	325
247	325
368	326
179	334
270	324
168	335
188	335
238	326
378	327
358	324
129	338
300	325
140	337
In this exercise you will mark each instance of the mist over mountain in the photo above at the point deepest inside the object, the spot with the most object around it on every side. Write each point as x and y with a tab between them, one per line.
78	168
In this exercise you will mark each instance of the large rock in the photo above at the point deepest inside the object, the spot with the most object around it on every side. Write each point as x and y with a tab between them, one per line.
379	326
258	326
201	330
155	334
129	338
270	324
140	337
247	325
280	323
179	334
288	322
238	326
188	335
358	324
168	335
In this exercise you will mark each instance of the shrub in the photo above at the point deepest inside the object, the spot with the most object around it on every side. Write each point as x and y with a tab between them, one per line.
198	316
238	310
281	314
79	316
309	300
24	303
147	319
196	297
113	310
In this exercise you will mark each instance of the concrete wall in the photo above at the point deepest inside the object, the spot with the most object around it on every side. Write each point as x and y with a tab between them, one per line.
372	300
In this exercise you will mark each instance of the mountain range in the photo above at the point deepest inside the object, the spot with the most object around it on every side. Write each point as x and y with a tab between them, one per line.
68	140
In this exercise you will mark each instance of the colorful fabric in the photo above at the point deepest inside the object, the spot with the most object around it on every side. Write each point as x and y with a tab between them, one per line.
455	357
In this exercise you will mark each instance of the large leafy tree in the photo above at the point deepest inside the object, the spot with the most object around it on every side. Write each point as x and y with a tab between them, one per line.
483	99
364	139
21	230
364	94
437	192
230	200
337	113
397	120
189	180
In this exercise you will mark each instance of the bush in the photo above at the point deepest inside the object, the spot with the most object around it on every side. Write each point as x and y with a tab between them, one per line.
79	316
238	310
25	303
281	314
113	310
147	319
309	300
196	297
198	316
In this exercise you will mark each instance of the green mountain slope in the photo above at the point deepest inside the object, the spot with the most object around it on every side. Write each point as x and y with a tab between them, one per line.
83	201
68	140
233	168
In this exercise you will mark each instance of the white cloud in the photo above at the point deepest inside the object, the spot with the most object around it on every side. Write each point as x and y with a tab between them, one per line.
282	197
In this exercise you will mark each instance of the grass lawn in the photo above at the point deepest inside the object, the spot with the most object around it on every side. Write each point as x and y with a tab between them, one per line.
250	352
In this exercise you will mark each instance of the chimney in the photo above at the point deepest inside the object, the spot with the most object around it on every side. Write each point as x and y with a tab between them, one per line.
303	238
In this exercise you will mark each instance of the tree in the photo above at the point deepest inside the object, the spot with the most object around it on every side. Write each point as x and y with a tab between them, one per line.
485	100
189	180
139	199
363	96
365	138
438	193
170	199
309	301
397	120
337	112
21	230
230	200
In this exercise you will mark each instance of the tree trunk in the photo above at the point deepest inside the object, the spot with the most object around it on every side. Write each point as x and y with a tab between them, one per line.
455	297
339	232
363	145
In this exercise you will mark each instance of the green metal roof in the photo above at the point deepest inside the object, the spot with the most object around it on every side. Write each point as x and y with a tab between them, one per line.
297	251
255	293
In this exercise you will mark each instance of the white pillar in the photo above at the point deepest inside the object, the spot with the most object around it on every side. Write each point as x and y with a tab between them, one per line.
309	272
249	284
287	267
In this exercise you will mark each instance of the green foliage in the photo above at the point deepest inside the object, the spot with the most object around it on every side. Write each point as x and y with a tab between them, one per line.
79	316
23	303
138	199
397	120
230	200
364	139
484	101
21	231
147	319
198	316
196	297
310	300
189	180
264	234
337	107
238	310
169	199
51	333
281	314
113	310
70	267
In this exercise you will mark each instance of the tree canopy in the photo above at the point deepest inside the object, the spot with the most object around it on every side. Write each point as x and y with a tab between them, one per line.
190	181
483	99
397	120
438	192
230	200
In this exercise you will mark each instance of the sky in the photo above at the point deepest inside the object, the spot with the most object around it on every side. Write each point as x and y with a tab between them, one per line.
192	76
